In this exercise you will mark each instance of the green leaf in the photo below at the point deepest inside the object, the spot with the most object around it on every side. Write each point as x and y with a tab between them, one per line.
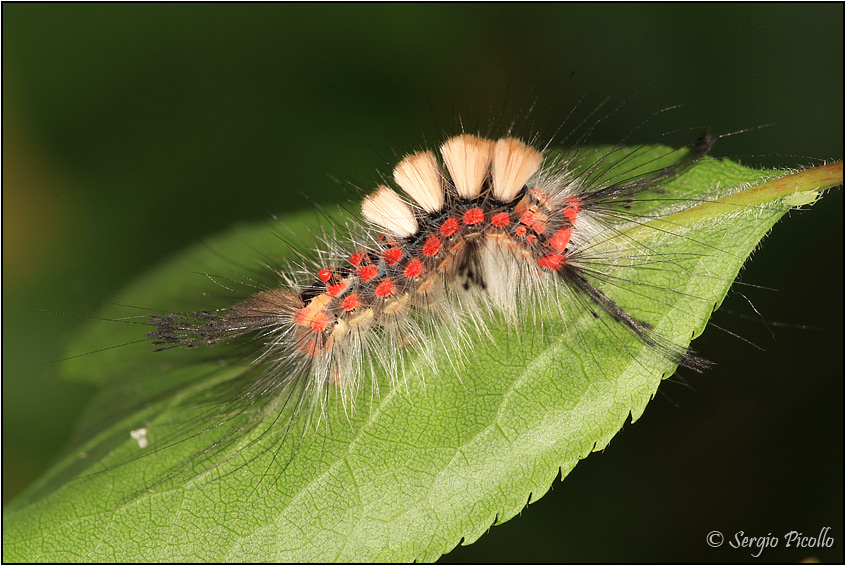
415	470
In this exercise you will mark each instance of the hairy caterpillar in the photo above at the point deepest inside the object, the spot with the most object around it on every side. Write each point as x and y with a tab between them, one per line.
493	230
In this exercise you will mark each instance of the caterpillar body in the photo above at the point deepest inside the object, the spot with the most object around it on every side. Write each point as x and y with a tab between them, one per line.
497	226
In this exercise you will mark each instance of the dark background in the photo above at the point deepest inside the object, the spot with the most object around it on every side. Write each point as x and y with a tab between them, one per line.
131	131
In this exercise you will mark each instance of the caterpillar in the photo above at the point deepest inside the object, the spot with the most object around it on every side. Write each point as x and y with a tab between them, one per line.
493	226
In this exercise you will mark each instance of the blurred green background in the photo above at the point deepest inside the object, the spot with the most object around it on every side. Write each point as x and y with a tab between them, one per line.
132	131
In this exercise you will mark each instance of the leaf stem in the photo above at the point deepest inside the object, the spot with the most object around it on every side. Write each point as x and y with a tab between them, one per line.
808	181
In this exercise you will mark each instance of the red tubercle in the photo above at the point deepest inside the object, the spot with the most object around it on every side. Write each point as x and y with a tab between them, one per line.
313	312
324	275
473	216
560	239
553	262
531	238
572	208
413	269
528	218
393	255
432	246
351	303
450	227
337	289
521	230
367	272
501	219
319	322
356	259
385	288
